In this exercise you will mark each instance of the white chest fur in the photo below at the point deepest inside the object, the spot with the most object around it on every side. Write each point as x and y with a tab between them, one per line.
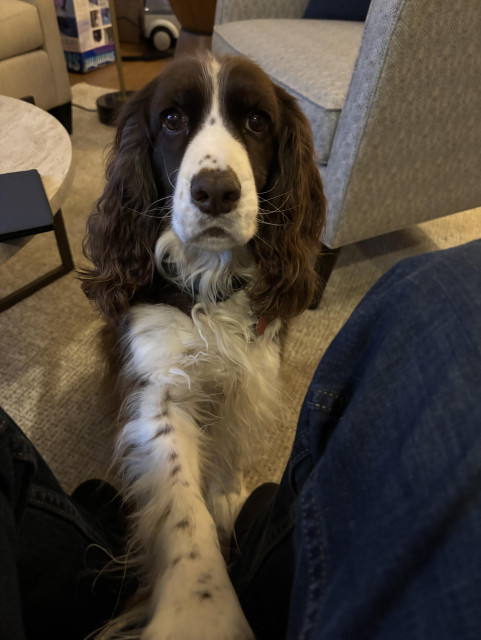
204	390
211	364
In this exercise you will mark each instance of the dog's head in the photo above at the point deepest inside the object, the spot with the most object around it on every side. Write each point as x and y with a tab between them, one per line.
217	152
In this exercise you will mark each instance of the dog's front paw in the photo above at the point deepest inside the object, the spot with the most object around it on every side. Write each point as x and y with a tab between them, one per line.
186	626
206	614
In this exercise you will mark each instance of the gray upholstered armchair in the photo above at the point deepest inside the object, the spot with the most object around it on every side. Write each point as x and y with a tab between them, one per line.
394	103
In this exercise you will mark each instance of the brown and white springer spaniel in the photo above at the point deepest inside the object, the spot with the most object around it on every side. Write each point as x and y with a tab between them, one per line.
202	247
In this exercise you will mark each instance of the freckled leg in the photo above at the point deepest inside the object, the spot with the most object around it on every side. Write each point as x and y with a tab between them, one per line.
192	596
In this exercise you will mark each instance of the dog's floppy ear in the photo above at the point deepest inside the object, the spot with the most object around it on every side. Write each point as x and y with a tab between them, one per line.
292	217
120	239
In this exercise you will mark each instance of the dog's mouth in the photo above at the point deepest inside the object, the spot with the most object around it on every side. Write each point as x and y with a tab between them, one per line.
214	238
213	232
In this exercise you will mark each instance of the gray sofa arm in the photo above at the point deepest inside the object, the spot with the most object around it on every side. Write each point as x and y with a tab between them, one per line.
234	10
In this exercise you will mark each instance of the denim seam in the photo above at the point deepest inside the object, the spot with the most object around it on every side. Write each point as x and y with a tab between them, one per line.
317	405
322	558
299	455
325	393
24	453
312	564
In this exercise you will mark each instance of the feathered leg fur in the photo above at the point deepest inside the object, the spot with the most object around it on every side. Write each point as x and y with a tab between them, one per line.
190	419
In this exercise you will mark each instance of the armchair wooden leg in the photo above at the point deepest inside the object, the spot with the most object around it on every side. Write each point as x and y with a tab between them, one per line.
325	263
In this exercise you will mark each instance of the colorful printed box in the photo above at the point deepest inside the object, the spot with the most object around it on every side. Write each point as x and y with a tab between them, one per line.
86	33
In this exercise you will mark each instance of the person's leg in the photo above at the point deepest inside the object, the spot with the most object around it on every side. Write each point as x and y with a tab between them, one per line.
385	474
51	551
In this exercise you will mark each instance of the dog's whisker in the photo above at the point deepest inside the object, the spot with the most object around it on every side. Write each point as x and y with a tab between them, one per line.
166	171
267	213
259	237
273	201
174	172
273	224
273	209
261	193
160	200
163	201
165	213
272	212
275	197
278	195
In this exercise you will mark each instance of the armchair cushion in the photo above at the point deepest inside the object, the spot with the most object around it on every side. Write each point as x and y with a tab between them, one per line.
318	75
20	28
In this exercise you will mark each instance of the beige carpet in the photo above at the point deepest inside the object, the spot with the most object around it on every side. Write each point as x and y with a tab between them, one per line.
51	368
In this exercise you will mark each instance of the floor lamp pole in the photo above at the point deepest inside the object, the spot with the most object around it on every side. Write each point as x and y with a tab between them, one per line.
109	104
118	53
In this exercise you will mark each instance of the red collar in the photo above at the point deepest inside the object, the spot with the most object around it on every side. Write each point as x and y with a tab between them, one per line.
262	324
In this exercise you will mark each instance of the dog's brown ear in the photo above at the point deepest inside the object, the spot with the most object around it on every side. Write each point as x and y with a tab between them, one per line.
291	222
120	239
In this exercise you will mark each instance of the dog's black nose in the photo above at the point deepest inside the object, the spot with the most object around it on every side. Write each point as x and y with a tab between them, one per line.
215	191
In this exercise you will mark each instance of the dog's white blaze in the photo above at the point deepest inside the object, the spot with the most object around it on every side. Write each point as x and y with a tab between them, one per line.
214	147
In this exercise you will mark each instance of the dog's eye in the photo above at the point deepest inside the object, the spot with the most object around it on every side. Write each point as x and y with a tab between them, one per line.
256	122
174	121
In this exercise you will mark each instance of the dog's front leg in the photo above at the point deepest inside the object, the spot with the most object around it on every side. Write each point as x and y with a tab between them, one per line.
191	596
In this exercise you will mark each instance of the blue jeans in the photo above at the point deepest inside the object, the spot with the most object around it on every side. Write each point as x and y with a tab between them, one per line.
375	529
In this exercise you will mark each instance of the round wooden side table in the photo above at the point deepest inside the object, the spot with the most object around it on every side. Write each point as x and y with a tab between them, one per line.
34	139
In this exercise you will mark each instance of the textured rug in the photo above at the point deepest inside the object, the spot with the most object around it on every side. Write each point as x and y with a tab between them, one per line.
51	364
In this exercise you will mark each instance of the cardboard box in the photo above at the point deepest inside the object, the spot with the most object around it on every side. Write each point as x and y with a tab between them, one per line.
86	33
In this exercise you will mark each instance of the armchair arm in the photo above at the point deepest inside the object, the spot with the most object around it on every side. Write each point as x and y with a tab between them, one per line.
53	47
233	10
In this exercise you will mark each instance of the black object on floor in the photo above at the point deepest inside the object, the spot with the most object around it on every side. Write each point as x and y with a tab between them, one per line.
109	106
